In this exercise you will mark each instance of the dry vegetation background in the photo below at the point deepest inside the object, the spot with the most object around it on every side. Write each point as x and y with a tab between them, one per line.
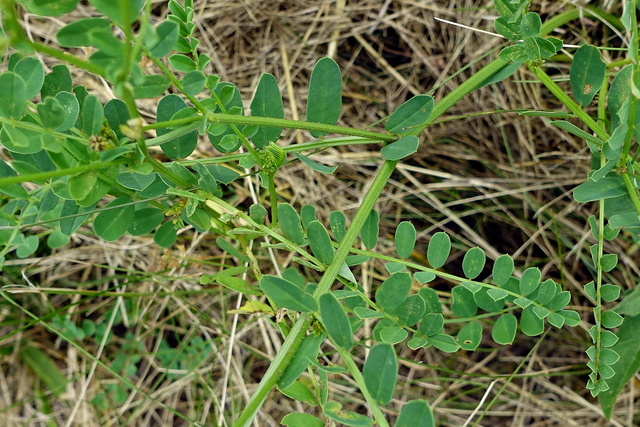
491	178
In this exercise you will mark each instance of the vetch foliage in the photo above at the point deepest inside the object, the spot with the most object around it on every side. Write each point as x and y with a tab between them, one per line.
86	162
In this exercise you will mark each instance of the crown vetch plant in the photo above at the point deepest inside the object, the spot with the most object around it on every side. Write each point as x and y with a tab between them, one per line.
89	162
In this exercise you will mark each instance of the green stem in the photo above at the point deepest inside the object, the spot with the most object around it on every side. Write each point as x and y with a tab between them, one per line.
43	176
299	329
372	405
296	124
576	109
67	58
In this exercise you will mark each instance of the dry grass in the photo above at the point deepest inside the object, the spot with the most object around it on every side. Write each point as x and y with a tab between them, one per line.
499	181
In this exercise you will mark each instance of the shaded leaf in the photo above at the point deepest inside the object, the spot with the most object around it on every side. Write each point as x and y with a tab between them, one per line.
438	249
415	413
586	74
112	222
401	148
470	336
393	291
320	242
267	102
370	230
504	330
307	352
290	223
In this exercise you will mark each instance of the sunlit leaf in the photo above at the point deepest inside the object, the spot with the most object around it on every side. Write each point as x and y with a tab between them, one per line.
267	102
470	336
473	262
393	291
290	223
320	242
411	113
370	230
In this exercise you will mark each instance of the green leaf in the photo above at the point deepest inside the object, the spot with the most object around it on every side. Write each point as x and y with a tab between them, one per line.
506	8
370	230
444	342
290	223
367	313
335	321
401	148
334	411
307	352
560	301
504	330
530	280
13	92
80	186
183	63
438	249
165	235
181	146
546	292
380	372
610	292
325	94
432	324
338	222
502	269
463	303
26	246
135	181
78	33
487	302
556	319
112	222
307	214
32	72
297	419
320	242
530	323
116	113
71	108
193	82
119	15
508	30
58	80
393	291
287	294
318	167
416	413
424	276
530	25
497	294
608	262
411	113
50	7
393	335
611	319
145	220
410	311
586	74
431	299
628	347
151	86
300	392
405	239
538	48
167	34
470	336
92	115
267	102
571	128
473	262
51	113
44	368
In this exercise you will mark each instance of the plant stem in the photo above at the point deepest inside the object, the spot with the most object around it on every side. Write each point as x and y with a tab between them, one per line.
576	109
357	376
299	329
296	124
